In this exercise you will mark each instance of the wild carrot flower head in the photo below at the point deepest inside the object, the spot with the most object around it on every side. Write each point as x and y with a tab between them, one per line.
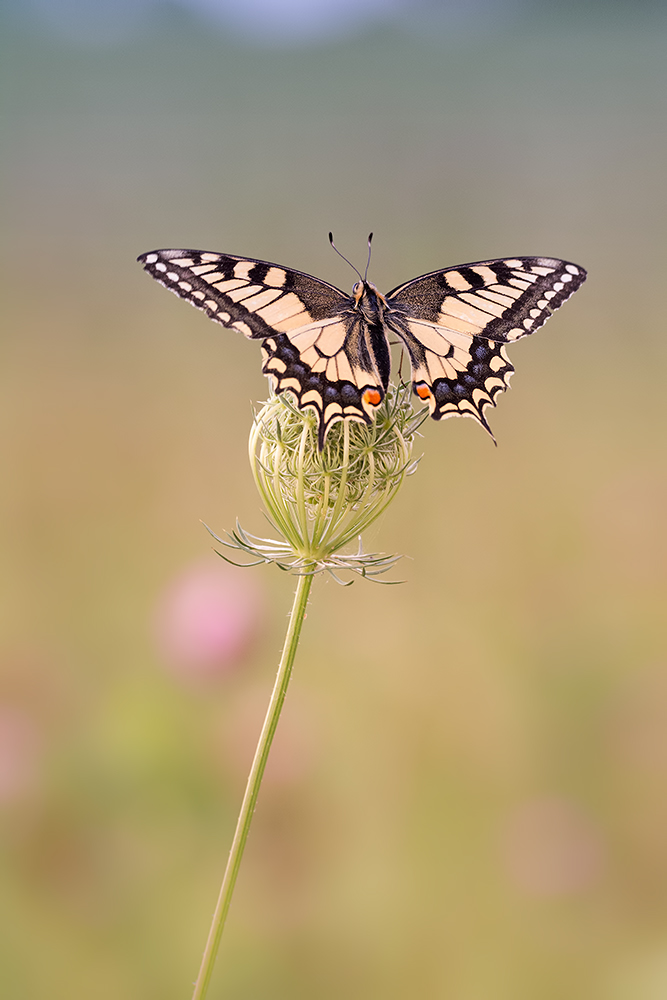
321	501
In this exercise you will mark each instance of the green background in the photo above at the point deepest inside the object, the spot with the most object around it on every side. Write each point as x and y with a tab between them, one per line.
472	802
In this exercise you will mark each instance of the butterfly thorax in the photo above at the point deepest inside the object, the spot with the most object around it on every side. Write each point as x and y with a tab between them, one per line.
369	302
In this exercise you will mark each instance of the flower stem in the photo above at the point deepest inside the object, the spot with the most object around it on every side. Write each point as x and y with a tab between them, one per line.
254	781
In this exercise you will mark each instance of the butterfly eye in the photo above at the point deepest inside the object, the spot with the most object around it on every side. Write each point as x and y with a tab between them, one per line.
357	289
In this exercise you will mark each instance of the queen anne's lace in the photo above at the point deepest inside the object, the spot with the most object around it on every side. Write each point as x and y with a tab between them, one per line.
321	501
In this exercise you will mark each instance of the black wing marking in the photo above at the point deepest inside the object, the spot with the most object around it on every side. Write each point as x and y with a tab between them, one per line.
454	323
314	344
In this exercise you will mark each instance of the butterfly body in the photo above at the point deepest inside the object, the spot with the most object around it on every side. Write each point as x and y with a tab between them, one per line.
331	350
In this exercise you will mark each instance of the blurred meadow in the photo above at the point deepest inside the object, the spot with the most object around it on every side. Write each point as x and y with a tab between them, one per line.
468	795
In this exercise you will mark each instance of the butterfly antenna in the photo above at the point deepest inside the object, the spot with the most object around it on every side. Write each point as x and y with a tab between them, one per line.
368	262
341	255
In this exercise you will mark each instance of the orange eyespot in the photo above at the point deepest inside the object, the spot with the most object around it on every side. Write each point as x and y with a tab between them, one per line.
423	391
372	397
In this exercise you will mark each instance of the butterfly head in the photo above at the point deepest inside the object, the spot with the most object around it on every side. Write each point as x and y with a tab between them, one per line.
367	298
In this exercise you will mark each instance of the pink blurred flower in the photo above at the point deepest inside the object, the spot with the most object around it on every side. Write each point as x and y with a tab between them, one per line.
206	620
552	848
18	753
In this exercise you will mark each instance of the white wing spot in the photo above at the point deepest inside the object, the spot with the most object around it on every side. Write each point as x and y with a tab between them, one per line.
152	257
549	295
276	364
185	286
456	280
572	269
313	397
290	383
211	304
198	295
331	410
243	328
558	285
535	313
486	273
494	383
275	277
480	397
172	276
160	267
566	277
243	267
528	323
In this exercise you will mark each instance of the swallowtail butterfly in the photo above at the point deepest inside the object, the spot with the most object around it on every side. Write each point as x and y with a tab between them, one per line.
331	350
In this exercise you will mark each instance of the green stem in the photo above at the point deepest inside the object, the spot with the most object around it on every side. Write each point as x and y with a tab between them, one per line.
252	787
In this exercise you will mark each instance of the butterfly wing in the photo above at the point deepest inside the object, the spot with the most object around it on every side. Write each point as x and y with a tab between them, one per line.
456	322
314	344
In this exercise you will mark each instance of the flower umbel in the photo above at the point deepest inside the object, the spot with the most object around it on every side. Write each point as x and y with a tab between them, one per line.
321	501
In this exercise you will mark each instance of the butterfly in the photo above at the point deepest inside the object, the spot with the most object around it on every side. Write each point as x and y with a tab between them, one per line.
331	350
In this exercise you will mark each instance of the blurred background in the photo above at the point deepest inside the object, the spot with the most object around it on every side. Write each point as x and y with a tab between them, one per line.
468	794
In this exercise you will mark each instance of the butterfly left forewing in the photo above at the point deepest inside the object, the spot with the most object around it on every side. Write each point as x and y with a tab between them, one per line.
314	343
455	322
252	296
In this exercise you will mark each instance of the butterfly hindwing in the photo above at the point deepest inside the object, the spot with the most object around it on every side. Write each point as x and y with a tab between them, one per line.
327	367
455	321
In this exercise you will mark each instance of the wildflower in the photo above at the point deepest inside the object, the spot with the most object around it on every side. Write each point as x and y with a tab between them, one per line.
206	620
321	501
